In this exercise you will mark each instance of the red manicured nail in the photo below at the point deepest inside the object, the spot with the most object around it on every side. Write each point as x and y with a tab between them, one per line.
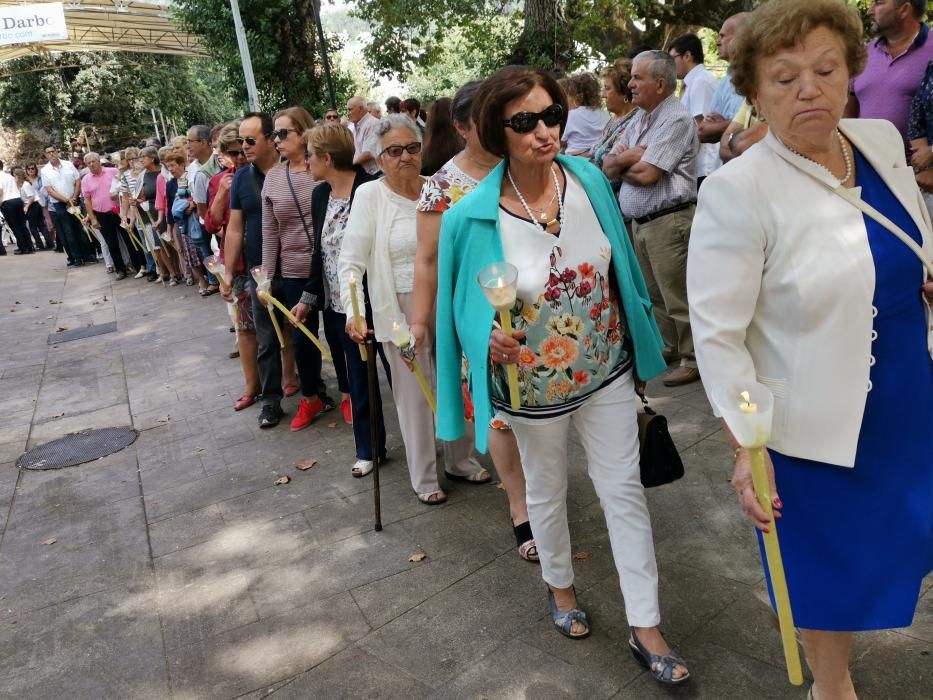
777	503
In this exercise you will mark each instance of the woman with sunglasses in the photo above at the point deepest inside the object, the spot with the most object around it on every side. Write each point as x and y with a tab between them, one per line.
40	209
456	178
584	339
380	242
287	247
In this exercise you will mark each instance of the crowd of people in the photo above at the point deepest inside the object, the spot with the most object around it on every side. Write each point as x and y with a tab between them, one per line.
726	228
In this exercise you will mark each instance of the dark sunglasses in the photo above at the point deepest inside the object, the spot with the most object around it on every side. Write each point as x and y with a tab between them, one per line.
414	148
332	117
249	140
234	154
282	134
523	122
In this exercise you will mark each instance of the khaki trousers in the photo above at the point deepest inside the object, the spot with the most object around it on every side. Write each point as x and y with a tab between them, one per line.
661	248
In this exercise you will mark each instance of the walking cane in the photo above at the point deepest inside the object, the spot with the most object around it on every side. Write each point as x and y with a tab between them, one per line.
373	380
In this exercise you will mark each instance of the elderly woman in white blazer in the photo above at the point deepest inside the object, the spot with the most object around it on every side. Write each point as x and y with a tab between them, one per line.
793	286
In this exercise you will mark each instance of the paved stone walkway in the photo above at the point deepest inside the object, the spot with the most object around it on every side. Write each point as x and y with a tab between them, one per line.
179	570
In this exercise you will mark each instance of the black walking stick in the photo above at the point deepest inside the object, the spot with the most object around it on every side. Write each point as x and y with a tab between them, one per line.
374	425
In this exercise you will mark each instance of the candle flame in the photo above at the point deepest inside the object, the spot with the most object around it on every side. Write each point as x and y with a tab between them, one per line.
746	397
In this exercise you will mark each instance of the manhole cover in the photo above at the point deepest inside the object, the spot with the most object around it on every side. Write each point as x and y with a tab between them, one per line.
77	448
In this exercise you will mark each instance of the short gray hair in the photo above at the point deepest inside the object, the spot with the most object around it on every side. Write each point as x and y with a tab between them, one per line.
91	156
662	67
202	133
386	124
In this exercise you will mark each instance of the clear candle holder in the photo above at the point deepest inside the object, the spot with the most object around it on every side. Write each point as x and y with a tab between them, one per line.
499	282
748	411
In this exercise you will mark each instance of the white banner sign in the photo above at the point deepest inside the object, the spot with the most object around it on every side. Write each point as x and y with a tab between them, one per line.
29	24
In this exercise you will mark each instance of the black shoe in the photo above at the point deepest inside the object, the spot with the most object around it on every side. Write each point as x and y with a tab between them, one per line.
270	415
121	276
17	252
328	402
59	250
153	276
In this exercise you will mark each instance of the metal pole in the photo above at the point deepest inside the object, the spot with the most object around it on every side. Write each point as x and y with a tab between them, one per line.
164	130
155	123
316	6
244	57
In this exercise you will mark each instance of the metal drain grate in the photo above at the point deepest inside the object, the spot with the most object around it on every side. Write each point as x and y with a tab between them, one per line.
79	333
78	448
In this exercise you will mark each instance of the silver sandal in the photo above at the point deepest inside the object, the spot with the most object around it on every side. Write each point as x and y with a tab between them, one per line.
661	666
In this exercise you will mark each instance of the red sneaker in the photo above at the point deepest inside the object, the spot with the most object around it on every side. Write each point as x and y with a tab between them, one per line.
347	410
307	412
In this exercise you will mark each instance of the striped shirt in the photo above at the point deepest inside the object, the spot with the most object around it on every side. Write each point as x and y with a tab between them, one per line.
286	247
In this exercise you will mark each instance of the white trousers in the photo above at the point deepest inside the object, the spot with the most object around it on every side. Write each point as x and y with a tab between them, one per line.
608	429
108	258
415	420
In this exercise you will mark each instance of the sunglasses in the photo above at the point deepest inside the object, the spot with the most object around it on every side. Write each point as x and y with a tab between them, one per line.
524	122
414	148
282	134
234	154
332	117
249	140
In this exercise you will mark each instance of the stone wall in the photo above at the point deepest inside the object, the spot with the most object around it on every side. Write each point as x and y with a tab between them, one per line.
20	146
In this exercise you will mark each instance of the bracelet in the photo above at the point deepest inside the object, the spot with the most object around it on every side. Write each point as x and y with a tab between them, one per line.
729	142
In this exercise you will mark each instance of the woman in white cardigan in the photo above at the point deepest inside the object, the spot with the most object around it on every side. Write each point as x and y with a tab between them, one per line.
381	242
790	285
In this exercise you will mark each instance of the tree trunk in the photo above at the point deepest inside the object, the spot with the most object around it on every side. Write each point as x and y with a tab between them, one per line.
547	39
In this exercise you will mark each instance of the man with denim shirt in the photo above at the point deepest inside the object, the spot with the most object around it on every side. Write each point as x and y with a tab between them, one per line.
897	61
726	101
658	153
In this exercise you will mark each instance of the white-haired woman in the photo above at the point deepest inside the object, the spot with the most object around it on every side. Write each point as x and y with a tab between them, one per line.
381	242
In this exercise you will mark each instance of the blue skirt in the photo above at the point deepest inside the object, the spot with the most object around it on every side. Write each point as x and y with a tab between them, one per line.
858	542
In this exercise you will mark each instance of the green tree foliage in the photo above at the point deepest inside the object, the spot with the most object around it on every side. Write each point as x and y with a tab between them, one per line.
283	45
113	92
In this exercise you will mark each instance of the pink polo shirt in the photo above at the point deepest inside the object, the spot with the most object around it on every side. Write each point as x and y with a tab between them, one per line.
96	189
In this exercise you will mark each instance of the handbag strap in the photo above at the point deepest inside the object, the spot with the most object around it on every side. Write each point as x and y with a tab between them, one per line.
301	213
869	210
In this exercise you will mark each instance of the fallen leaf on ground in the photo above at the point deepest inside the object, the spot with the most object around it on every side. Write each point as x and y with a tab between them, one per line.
417	557
500	486
331	425
54	301
17	302
306	465
163	419
582	556
59	415
51	540
282	481
200	449
49	318
60	329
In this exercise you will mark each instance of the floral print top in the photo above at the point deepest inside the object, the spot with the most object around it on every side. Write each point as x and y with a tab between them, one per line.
576	340
445	188
335	225
611	132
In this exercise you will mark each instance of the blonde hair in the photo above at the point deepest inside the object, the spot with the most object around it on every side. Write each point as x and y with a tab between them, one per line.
228	135
334	140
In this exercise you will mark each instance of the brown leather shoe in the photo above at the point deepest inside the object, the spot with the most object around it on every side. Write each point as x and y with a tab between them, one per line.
681	375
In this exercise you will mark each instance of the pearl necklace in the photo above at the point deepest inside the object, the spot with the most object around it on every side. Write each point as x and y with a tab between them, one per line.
560	203
845	155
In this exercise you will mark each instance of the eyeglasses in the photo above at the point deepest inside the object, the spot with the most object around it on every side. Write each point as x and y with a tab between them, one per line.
332	117
234	154
249	140
282	134
524	122
395	151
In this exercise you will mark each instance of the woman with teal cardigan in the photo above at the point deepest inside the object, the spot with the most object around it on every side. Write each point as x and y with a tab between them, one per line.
584	336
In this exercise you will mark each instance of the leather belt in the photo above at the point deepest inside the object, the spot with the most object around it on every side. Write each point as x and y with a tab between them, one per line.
663	212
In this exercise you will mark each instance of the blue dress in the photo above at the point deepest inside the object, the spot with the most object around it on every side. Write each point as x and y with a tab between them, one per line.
858	542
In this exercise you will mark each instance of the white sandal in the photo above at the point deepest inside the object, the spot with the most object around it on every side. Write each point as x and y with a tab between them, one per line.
428	500
361	468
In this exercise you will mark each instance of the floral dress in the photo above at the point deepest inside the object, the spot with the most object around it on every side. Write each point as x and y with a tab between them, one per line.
576	340
612	131
440	192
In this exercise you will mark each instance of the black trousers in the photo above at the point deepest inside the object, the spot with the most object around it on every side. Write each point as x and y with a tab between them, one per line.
109	227
353	379
35	216
15	216
307	356
268	352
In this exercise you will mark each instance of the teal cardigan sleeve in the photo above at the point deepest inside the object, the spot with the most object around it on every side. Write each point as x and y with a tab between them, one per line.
447	342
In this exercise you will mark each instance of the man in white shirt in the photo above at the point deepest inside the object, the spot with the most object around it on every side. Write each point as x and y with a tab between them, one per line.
11	205
364	126
699	90
63	183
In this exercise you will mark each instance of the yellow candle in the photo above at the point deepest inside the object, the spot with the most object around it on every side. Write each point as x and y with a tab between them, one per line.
505	320
401	338
356	312
298	324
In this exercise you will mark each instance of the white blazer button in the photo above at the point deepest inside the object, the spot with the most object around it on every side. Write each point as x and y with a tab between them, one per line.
874	311
874	336
869	385
871	360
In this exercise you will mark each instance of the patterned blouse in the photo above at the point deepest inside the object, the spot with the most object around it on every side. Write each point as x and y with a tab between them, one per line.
335	225
613	129
920	121
445	188
576	339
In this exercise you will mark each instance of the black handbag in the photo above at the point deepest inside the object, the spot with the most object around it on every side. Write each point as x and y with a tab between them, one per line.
659	459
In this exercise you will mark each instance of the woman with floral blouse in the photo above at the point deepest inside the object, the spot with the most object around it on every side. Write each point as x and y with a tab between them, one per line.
585	338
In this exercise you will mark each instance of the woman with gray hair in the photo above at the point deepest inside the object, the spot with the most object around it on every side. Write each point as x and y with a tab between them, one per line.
380	242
